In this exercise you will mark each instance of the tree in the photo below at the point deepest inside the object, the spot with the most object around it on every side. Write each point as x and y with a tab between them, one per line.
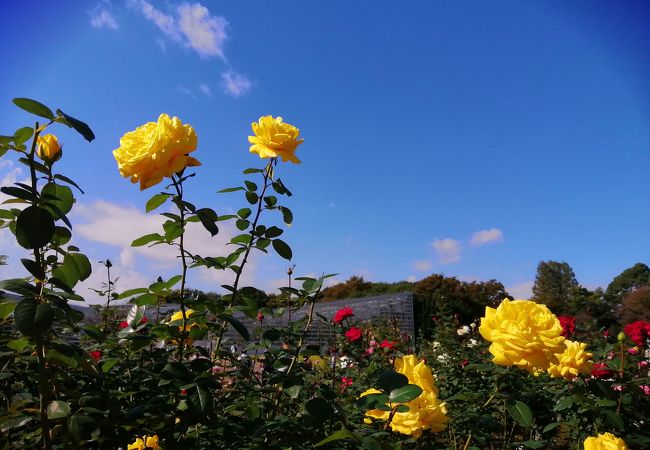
636	305
628	280
555	285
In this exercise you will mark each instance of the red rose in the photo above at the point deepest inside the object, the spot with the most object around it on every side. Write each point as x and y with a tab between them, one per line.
345	381
353	334
568	325
96	355
260	316
638	331
388	344
464	362
342	314
123	324
600	370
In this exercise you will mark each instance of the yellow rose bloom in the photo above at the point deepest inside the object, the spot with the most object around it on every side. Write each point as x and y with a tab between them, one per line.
138	444
573	361
178	315
151	441
426	412
604	441
48	149
524	334
156	150
275	138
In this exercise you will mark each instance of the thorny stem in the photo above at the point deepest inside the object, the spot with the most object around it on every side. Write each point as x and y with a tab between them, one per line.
268	171
178	185
108	294
43	375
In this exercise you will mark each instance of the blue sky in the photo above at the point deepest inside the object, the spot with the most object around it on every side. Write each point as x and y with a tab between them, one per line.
471	139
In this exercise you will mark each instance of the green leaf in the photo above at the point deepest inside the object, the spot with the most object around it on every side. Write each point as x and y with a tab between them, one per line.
22	135
390	380
33	318
241	239
611	416
34	107
336	436
18	192
173	281
6	308
34	268
146	299
146	239
134	316
405	394
34	227
319	408
273	232
59	196
58	409
232	189
155	201
271	201
242	224
244	213
76	266
550	426
521	413
132	292
250	186
81	426
236	324
199	400
563	404
287	215
282	249
18	344
252	197
209	220
16	421
61	236
252	170
68	180
78	125
532	444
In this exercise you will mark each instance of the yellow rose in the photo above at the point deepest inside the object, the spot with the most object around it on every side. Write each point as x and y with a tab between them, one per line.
178	315
151	441
426	412
49	149
523	333
138	444
573	361
605	441
156	150
275	138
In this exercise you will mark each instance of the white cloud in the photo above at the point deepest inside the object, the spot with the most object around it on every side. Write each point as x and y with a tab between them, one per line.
205	89
206	34
11	176
235	84
522	290
192	26
117	225
102	18
483	237
185	90
412	279
448	250
422	265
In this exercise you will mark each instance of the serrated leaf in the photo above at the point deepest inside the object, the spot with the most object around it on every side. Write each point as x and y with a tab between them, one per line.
282	249
287	215
405	394
236	324
209	220
34	227
155	201
390	380
58	409
336	436
521	413
81	127
33	318
147	239
34	107
34	268
252	197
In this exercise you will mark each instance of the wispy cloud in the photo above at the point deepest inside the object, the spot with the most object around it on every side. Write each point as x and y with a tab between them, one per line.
235	84
448	250
185	90
205	89
190	25
101	17
483	237
422	265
